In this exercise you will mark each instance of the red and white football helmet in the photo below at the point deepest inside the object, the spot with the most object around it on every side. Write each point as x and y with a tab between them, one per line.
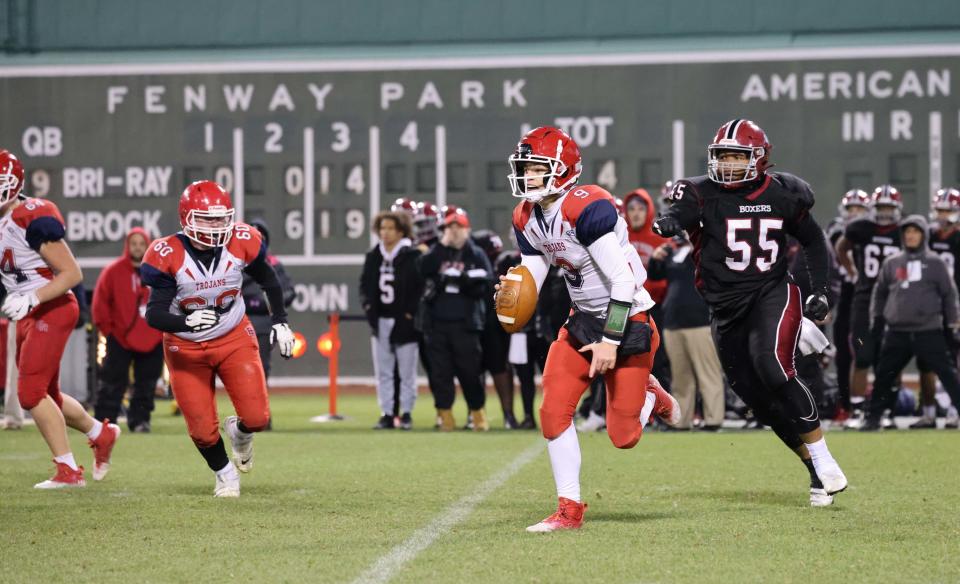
738	136
11	176
425	222
946	205
854	198
206	213
404	205
886	205
552	148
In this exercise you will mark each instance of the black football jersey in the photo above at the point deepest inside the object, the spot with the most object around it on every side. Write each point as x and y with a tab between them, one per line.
740	236
946	244
872	243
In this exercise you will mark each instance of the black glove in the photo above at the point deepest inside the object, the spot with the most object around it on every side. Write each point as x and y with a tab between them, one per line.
667	226
816	307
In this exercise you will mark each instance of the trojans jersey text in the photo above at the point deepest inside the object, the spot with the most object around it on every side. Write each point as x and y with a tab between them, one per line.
22	231
562	234
171	261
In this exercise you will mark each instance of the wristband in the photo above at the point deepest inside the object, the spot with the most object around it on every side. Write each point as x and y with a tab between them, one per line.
618	313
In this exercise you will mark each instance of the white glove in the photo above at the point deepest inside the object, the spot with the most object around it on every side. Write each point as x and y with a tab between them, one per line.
19	304
283	336
201	320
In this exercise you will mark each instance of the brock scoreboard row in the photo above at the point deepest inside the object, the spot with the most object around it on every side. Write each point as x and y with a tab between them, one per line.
315	148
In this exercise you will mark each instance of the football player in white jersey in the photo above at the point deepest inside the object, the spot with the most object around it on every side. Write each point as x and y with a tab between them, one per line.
195	278
38	270
609	332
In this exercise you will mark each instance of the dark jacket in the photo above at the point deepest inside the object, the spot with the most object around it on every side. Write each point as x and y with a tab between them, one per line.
683	306
914	291
458	284
406	288
256	303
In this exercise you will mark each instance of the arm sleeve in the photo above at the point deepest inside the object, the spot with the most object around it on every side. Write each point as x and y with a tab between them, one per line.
608	255
686	205
814	243
538	266
879	298
264	274
159	315
44	229
599	218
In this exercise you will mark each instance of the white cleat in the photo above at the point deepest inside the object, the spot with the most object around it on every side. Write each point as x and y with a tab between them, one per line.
228	483
594	423
241	443
833	479
820	498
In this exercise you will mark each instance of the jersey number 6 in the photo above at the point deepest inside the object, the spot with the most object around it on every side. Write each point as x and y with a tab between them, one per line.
222	303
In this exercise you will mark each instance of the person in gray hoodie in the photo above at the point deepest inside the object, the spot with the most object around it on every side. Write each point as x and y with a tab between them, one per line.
917	298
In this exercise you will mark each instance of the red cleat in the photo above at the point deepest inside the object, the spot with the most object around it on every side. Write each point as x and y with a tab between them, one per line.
666	407
102	448
66	477
569	515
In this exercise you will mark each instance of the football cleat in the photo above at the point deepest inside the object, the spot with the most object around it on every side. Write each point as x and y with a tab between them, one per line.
65	478
406	422
569	515
103	448
830	475
924	423
241	443
820	498
384	423
667	408
228	483
594	423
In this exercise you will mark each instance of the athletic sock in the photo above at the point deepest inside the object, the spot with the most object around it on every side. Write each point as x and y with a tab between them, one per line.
648	404
227	469
67	459
930	412
565	460
819	452
94	432
216	455
814	479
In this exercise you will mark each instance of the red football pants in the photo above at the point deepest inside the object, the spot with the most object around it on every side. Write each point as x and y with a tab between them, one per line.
235	358
565	378
41	338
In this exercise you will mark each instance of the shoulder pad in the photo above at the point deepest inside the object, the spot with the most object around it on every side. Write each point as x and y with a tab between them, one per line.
797	186
31	209
165	254
521	214
580	198
246	243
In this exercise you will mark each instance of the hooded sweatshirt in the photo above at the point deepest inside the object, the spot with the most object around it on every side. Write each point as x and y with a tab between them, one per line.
914	291
120	302
645	241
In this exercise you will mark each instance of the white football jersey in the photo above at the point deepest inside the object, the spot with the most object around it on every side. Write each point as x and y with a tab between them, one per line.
562	234
22	231
199	286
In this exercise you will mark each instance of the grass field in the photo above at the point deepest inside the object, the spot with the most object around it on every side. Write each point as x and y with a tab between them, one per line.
326	502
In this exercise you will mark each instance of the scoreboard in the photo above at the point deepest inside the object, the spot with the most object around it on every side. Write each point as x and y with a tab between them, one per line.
316	147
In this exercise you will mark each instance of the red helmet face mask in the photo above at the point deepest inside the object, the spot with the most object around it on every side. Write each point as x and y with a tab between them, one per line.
854	203
11	176
946	206
886	204
552	149
739	137
206	214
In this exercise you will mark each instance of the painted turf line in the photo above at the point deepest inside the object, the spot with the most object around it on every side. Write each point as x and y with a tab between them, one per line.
390	564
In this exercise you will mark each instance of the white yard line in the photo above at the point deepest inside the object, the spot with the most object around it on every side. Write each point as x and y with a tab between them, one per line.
389	565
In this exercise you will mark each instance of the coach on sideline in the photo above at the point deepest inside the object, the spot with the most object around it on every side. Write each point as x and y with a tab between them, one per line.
458	280
917	298
119	305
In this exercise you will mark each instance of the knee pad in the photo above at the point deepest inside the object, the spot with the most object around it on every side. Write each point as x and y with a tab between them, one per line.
798	403
624	430
553	423
30	399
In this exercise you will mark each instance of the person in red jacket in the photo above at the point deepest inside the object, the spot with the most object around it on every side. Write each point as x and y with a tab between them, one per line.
119	305
640	212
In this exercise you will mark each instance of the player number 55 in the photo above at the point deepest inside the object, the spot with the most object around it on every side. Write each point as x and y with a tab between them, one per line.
743	248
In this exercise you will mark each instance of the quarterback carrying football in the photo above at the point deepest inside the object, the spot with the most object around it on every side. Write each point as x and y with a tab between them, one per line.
609	332
195	278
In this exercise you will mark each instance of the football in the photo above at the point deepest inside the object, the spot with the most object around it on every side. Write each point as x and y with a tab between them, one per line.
517	299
